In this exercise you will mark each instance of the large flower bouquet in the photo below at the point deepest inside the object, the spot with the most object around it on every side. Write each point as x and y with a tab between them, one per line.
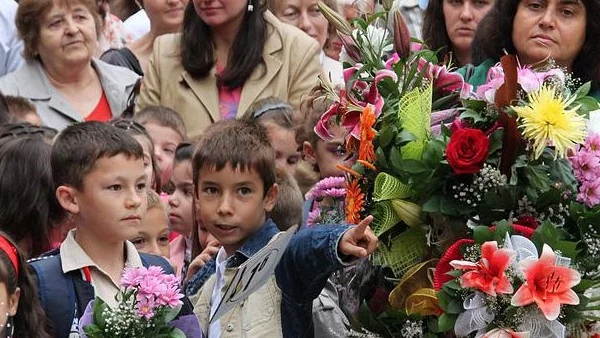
439	164
149	301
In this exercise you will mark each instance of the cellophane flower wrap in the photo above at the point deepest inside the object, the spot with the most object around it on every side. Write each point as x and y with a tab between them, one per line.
451	174
148	301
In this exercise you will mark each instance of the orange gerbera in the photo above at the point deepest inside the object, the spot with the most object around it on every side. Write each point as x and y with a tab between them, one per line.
366	151
355	200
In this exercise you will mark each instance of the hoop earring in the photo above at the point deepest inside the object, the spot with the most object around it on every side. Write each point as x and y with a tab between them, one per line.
250	6
10	327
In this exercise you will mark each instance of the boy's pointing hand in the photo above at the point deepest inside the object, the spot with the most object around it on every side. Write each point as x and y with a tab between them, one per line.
359	241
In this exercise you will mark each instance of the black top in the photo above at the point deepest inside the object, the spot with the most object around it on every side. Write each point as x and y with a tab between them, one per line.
123	57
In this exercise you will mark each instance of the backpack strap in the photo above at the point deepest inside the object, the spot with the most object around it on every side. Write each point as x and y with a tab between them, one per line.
56	292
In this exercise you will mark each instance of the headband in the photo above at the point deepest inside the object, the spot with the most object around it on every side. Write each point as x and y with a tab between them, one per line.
269	106
11	252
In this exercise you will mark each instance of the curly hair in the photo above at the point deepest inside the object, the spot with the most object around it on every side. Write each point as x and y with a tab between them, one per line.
494	36
30	320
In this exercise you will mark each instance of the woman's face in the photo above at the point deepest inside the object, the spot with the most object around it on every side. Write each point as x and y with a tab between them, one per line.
217	13
165	16
305	14
67	36
549	28
462	18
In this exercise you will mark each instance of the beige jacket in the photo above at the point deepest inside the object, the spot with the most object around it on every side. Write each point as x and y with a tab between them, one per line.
257	316
292	67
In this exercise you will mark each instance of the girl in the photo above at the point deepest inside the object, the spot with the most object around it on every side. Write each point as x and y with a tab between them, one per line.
141	135
181	212
279	120
29	207
153	235
21	314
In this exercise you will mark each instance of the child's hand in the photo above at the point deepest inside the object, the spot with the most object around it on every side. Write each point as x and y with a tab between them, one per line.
359	241
206	255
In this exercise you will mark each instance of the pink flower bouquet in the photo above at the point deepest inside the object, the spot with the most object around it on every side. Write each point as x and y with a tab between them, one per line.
149	300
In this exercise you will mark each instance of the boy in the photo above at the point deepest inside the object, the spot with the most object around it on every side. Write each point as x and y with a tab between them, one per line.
22	110
99	174
234	185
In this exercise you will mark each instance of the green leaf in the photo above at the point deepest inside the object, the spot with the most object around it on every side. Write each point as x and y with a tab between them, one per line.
413	166
98	316
538	177
472	114
455	307
584	90
395	158
386	135
93	331
177	333
443	299
446	322
171	313
482	234
502	228
433	204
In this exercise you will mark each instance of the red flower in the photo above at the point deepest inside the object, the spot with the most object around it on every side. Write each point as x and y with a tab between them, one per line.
440	275
547	284
530	222
487	275
467	150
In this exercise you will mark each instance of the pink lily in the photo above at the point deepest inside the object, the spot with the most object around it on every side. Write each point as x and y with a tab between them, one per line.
443	79
547	284
488	275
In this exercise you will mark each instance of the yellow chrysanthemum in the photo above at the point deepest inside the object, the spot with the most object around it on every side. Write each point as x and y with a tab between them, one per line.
547	120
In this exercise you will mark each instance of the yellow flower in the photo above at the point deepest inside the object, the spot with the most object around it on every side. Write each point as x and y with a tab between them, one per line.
546	119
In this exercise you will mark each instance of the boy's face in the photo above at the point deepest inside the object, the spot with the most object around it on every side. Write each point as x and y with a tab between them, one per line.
232	204
153	235
165	142
181	201
113	199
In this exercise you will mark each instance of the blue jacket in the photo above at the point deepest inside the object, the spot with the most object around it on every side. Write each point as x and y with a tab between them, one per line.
307	263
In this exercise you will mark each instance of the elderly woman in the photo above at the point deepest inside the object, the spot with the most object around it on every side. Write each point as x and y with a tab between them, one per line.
60	76
450	25
305	14
536	31
229	55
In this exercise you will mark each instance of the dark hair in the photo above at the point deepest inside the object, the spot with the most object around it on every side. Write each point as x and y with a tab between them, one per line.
494	36
30	321
78	147
434	30
29	206
4	113
30	15
163	116
183	152
242	144
136	129
273	110
197	50
19	129
287	210
19	106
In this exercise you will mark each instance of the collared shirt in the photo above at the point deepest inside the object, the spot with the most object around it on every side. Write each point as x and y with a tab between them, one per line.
214	331
73	257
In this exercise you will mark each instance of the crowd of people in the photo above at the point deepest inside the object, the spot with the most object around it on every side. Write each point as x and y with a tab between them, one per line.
181	134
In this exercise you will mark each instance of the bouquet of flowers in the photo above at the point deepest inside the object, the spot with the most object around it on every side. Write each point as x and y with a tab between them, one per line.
149	301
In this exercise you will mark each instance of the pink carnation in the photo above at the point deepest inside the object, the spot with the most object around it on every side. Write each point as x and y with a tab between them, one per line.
170	297
133	276
586	165
151	286
145	308
592	143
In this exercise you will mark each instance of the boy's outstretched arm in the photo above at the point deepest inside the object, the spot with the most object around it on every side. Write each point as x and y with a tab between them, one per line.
359	241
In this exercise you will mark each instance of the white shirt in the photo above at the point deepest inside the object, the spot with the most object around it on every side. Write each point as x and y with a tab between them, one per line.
333	69
138	24
214	329
11	47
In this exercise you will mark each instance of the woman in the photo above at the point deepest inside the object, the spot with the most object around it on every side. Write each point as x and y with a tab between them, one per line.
536	31
305	14
450	25
61	77
230	54
165	17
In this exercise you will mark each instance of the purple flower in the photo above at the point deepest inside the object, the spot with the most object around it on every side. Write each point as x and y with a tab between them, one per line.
133	276
151	285
335	192
589	193
586	165
145	308
592	143
170	297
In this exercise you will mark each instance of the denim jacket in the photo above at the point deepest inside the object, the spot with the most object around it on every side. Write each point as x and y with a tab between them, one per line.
307	263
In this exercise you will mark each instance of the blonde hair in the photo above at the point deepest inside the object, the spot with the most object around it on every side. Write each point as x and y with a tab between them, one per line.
154	201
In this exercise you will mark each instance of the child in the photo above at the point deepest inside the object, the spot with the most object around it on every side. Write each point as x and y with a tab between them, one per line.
22	110
153	234
279	120
204	247
234	182
21	314
287	211
141	135
167	130
180	213
99	175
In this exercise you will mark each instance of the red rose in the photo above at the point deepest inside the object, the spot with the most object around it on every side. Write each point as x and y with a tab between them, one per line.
467	150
